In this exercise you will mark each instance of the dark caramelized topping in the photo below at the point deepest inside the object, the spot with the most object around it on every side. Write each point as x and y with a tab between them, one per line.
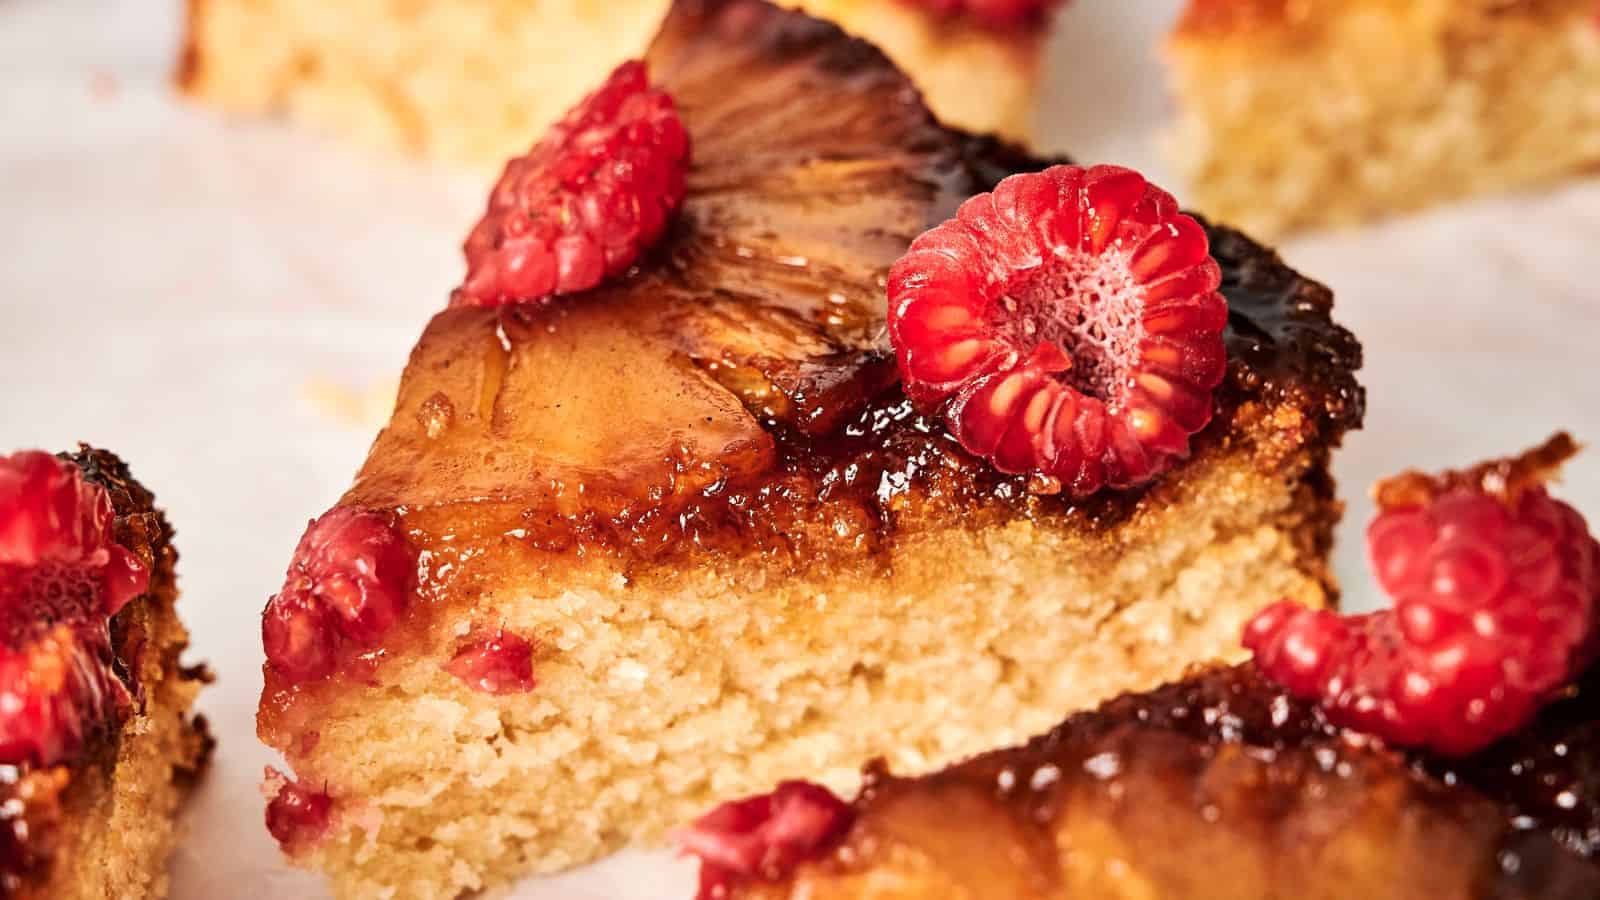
731	394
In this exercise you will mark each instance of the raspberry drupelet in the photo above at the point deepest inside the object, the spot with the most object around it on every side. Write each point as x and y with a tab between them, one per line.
582	205
1494	584
1068	324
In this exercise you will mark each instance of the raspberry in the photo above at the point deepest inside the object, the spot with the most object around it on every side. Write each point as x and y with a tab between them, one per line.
62	577
994	13
1068	325
1495	587
499	663
347	584
297	816
586	201
764	837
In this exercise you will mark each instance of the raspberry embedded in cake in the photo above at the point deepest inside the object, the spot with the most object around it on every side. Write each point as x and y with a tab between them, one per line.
498	662
765	836
347	585
702	494
1495	586
94	703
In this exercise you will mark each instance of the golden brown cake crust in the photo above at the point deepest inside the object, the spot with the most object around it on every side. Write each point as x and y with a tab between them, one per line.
104	823
1226	768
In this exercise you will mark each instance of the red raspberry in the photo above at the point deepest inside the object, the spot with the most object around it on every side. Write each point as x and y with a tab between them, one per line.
62	576
348	583
1068	324
586	201
994	13
764	837
499	663
1495	589
297	816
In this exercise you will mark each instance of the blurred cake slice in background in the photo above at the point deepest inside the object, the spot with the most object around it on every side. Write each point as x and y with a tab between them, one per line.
477	80
98	742
1298	113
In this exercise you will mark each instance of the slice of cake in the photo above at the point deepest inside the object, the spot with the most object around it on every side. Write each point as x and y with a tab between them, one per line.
98	745
1303	113
1448	749
637	548
476	80
1218	787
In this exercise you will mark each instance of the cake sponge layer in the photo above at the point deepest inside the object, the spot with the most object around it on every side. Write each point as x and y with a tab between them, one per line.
661	695
478	80
1298	114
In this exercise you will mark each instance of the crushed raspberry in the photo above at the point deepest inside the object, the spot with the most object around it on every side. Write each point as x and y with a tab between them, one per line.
993	13
1495	586
297	816
764	837
582	205
499	663
1068	325
347	585
62	577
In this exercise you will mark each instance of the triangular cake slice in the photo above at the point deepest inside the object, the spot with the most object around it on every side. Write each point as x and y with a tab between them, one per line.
683	535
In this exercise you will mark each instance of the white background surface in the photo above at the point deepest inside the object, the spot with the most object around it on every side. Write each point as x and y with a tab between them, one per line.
170	283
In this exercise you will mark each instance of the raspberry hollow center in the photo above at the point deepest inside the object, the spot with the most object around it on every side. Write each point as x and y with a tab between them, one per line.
1090	307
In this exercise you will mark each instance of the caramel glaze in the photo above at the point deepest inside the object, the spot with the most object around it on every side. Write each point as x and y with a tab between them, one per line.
37	804
736	392
1227	748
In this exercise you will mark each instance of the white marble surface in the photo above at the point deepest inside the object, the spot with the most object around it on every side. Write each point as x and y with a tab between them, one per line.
169	283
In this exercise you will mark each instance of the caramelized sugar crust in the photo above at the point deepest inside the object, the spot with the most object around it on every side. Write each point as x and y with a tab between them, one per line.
1225	770
736	392
86	829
